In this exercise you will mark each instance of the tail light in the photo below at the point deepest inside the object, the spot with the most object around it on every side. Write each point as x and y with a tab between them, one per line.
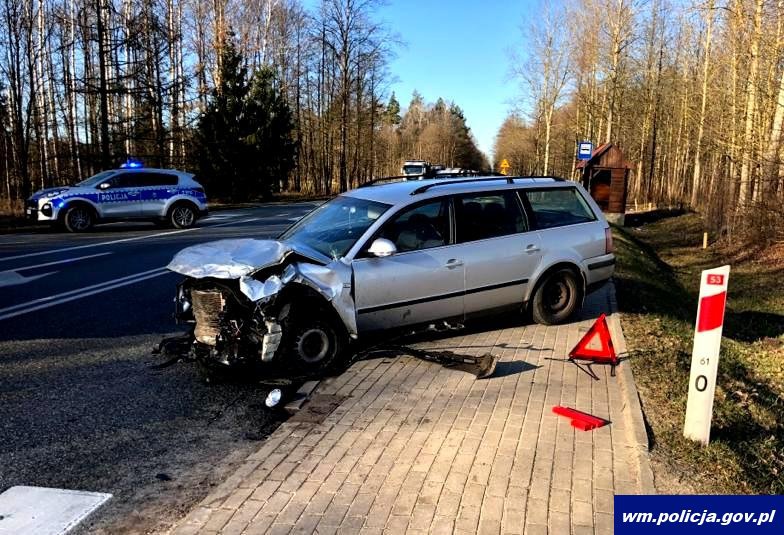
608	243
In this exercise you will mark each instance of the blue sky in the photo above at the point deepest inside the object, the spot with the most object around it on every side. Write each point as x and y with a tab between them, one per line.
458	50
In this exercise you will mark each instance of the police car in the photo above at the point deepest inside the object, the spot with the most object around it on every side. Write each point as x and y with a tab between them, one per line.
131	192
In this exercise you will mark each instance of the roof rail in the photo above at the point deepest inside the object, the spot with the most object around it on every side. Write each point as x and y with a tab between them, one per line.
509	180
422	189
391	178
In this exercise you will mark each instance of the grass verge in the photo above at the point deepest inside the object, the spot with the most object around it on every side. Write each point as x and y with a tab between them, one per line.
657	278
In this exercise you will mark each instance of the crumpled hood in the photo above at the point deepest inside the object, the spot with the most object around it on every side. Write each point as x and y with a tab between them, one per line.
41	192
228	259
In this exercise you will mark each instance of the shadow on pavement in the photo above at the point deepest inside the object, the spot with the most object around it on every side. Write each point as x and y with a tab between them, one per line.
504	369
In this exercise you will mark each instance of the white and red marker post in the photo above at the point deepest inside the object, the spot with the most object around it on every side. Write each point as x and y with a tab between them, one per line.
705	354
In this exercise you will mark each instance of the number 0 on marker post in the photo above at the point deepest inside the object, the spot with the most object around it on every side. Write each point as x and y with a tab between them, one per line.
705	354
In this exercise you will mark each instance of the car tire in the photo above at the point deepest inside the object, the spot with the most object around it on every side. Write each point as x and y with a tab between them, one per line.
78	218
557	297
311	341
182	215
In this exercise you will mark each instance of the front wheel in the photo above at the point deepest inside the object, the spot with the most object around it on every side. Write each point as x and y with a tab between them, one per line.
557	298
182	216
311	342
78	219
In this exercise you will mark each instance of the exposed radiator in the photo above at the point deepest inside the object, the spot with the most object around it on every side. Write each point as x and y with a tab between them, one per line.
207	308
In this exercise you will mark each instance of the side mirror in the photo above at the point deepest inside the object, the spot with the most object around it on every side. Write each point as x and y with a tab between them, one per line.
104	185
381	248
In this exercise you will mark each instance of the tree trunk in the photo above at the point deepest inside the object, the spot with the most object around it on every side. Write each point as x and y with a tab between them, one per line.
751	98
697	170
103	88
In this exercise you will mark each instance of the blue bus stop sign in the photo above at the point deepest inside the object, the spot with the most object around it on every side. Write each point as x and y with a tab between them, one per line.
584	150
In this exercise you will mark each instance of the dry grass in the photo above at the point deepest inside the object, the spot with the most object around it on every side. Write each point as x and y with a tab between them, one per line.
12	215
11	208
658	282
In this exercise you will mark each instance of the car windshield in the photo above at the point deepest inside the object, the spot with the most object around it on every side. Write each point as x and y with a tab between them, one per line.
413	169
95	179
334	227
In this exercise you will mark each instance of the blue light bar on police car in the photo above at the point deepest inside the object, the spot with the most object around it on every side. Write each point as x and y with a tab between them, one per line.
131	164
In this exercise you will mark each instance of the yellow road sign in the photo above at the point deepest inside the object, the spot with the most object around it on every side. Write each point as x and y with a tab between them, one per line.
504	166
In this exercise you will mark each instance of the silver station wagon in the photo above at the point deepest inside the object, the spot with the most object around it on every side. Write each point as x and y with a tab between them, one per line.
407	254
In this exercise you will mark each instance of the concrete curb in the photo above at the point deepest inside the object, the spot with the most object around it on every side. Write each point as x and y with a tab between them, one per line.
632	409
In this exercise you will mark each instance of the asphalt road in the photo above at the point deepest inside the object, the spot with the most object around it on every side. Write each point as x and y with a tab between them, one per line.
81	406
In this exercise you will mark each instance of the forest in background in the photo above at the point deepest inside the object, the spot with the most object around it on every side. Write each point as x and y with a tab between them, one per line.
693	93
86	84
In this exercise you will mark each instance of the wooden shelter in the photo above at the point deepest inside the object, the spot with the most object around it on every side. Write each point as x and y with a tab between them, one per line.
606	176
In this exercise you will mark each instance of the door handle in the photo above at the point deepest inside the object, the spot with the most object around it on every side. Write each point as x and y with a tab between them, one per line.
133	192
453	263
532	248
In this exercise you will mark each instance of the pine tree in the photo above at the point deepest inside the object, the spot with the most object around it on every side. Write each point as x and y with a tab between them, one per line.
221	151
392	113
270	139
246	145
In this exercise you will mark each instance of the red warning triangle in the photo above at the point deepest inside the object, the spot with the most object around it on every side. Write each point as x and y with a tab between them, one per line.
598	334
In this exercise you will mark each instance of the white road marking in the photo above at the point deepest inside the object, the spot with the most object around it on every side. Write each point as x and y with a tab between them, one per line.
12	278
20	242
72	295
45	511
66	261
123	240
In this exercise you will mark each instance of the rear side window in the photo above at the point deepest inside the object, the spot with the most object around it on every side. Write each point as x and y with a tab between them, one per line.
558	207
488	215
158	179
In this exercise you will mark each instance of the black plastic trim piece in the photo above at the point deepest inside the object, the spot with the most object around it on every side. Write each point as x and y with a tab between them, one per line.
602	264
440	297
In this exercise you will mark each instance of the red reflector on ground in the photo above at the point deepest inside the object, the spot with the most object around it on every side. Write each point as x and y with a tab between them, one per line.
711	312
580	420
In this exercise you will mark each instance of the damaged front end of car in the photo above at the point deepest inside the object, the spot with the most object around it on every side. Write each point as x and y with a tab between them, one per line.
261	307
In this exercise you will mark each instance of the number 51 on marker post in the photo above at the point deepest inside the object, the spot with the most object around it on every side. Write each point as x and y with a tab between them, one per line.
705	354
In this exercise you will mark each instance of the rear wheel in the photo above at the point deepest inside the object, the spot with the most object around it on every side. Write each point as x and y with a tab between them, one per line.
78	218
557	298
182	215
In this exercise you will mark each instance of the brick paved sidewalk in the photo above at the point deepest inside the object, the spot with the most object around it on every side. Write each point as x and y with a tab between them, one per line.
414	447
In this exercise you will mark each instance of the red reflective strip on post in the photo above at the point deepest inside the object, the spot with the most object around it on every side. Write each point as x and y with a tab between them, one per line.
711	312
